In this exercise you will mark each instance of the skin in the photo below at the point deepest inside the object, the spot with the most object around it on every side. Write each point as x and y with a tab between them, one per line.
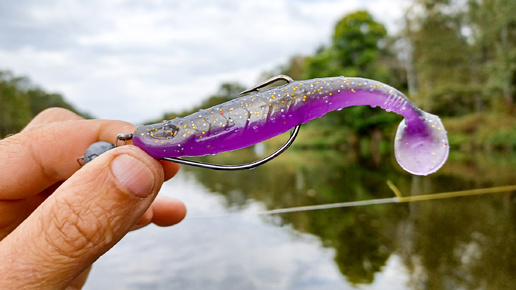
56	220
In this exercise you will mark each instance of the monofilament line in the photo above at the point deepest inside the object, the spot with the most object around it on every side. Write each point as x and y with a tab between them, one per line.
307	208
399	198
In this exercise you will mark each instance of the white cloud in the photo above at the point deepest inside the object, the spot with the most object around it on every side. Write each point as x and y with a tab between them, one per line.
134	60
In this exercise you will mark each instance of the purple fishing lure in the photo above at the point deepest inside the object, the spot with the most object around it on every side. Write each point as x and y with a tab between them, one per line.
421	145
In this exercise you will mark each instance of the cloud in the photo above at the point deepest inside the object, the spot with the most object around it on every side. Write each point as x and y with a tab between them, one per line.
134	60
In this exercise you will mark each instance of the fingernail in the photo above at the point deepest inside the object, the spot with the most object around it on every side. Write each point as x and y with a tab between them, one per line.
133	175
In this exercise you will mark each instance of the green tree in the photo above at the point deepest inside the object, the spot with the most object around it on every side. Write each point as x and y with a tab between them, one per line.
20	101
295	68
462	55
493	25
360	47
40	100
14	104
441	55
359	42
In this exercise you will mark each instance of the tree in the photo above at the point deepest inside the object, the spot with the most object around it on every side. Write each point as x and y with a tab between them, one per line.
493	25
14	104
20	101
441	56
360	47
359	41
462	55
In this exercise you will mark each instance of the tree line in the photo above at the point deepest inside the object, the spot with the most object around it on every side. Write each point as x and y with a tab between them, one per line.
453	58
20	101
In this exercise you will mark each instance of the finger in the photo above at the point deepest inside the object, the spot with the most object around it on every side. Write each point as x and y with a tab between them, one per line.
167	211
52	115
84	217
14	212
164	211
39	157
170	168
145	220
79	282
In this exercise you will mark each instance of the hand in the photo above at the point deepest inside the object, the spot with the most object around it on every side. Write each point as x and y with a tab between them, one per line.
56	220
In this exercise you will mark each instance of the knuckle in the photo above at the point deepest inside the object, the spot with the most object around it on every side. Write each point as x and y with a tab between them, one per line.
51	111
77	229
54	111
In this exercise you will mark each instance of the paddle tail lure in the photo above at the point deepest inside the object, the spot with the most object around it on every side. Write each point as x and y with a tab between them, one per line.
421	145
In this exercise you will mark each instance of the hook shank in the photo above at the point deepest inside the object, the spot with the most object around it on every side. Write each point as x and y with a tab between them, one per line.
251	165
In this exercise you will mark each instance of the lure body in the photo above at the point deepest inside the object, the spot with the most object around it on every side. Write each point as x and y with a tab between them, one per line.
421	144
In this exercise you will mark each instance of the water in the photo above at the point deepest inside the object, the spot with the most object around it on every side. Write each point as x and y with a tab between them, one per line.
461	243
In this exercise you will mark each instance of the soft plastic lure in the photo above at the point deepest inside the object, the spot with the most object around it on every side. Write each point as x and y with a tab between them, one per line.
421	145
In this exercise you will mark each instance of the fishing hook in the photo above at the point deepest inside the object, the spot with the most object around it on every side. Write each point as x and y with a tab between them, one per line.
293	134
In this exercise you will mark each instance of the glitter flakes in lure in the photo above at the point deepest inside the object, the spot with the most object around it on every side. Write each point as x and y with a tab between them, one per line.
421	146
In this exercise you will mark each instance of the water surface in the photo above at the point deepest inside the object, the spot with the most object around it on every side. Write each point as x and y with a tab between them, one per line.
460	243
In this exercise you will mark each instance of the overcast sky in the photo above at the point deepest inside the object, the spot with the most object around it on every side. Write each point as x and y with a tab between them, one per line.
135	60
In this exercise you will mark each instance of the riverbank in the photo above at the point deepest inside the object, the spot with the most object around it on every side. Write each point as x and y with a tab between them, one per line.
482	132
474	132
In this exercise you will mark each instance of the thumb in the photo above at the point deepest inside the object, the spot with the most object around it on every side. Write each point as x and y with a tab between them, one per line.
81	220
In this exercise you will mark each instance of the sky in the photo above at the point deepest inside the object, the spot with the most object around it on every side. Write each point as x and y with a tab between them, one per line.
135	60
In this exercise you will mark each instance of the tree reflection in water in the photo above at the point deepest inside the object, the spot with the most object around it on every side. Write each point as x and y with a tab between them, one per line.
445	244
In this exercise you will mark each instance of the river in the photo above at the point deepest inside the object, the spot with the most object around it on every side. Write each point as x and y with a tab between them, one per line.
457	243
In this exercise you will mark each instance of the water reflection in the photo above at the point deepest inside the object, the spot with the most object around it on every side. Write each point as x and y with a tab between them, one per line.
446	244
460	243
230	252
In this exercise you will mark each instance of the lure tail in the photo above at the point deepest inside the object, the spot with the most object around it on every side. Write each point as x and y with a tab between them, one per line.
421	148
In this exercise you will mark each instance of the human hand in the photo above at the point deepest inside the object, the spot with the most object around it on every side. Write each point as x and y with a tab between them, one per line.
56	220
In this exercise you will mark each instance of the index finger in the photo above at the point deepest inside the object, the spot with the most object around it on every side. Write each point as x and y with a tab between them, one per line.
52	115
42	155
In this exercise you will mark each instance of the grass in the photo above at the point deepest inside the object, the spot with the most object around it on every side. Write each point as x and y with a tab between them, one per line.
482	132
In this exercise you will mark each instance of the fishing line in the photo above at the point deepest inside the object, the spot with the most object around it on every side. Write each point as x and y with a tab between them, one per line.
461	193
398	198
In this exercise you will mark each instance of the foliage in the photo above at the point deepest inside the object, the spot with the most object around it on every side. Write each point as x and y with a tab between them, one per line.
493	23
357	42
487	131
453	58
366	239
358	48
463	46
20	101
358	45
441	53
